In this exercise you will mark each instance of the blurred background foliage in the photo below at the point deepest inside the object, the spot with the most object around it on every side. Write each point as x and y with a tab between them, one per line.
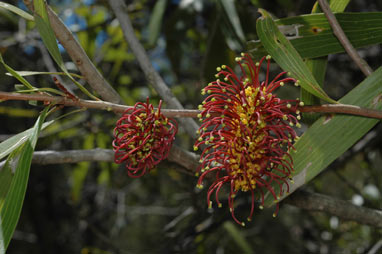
95	208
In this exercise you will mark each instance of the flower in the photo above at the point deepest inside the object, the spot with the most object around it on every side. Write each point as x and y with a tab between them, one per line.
246	133
143	138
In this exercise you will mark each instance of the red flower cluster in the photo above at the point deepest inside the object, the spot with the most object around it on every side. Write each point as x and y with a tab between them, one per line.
246	133
143	138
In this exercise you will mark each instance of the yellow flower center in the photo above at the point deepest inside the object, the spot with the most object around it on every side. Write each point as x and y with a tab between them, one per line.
245	150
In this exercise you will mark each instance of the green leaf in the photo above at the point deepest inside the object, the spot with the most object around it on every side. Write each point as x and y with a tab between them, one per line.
233	17
286	55
6	174
10	144
49	39
312	35
11	209
16	10
330	136
15	74
156	21
31	73
318	65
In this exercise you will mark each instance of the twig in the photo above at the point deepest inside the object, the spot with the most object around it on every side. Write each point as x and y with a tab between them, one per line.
79	57
340	208
339	33
151	74
343	109
180	113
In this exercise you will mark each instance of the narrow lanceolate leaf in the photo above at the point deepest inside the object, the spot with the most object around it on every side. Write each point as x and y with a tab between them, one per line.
11	208
49	39
15	74
31	73
330	136
233	17
16	10
312	35
317	66
282	51
12	143
156	18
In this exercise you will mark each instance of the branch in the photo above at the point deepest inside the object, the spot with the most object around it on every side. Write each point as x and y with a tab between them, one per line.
188	162
79	57
151	74
180	113
339	208
339	33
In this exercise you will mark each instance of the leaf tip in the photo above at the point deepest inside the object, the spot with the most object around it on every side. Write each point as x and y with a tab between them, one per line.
264	13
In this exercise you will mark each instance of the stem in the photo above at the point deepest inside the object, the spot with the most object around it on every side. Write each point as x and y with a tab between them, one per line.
153	77
339	33
79	57
179	113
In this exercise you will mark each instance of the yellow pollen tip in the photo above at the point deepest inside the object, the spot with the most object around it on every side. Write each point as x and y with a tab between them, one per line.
210	205
261	207
243	224
281	83
237	59
298	125
268	57
220	205
197	174
249	219
298	117
224	66
242	54
274	215
301	104
216	75
218	69
195	148
257	64
289	106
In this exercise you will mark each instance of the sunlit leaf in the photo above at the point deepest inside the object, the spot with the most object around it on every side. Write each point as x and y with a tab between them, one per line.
16	10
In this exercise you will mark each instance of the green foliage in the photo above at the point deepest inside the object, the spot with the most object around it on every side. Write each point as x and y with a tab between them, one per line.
286	56
312	36
16	10
330	136
10	208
